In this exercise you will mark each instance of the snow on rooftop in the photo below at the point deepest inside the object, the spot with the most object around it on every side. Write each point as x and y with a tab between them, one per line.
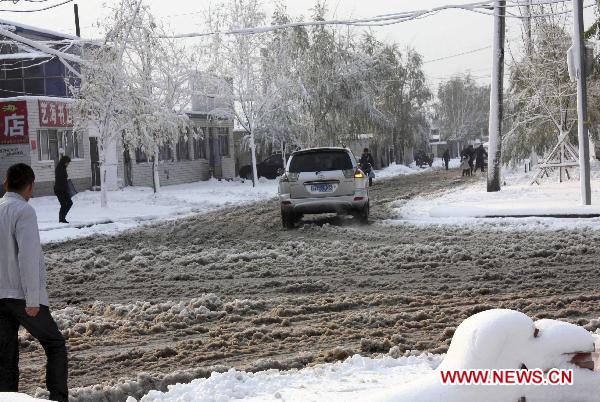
38	29
35	97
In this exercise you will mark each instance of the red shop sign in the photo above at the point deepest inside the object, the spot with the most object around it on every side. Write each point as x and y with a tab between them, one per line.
13	123
55	114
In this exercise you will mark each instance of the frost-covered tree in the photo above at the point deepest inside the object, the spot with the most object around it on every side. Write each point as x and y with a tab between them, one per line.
158	72
405	98
316	85
133	86
236	65
462	108
542	98
102	98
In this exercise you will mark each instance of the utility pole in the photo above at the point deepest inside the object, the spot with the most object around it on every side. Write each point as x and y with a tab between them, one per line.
582	120
76	11
527	28
496	97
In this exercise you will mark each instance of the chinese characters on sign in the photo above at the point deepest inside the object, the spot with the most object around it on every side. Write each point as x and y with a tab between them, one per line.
55	114
13	123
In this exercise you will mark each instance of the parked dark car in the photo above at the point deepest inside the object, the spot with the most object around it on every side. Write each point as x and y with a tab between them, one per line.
267	168
422	158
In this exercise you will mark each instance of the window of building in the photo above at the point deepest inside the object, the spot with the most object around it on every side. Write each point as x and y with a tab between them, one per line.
13	69
55	68
33	68
34	86
165	153
56	87
199	142
140	156
223	141
43	139
72	144
183	148
12	88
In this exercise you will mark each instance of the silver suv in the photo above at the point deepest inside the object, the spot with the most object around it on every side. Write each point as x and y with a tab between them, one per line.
322	180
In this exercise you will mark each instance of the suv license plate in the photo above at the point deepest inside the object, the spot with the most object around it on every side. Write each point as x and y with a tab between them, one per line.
321	188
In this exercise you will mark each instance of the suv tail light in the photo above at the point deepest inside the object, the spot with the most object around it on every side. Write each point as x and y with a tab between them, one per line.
359	174
288	177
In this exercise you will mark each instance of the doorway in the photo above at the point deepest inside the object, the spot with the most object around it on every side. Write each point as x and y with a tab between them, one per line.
53	146
95	163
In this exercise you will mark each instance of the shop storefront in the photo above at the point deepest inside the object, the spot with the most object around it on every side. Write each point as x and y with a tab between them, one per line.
39	131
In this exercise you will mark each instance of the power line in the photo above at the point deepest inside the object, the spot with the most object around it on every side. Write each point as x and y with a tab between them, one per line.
39	9
458	54
484	7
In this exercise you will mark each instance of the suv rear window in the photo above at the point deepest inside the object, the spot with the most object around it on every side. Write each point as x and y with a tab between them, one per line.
320	161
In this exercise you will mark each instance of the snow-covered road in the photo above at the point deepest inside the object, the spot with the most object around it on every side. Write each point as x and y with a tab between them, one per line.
140	302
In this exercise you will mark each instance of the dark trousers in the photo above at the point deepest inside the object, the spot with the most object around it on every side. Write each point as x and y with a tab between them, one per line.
446	163
43	328
65	205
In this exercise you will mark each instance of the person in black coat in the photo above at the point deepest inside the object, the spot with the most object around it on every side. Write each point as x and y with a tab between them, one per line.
480	155
469	152
61	188
367	163
446	158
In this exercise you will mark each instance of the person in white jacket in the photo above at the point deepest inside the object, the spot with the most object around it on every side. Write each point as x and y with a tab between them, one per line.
23	295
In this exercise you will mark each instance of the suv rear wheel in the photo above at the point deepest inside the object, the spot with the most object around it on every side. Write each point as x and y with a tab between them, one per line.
363	214
288	219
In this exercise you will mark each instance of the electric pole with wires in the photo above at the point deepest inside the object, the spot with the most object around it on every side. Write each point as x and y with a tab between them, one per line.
496	97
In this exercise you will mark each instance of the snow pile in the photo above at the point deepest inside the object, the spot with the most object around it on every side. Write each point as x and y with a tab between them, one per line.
517	205
394	169
331	382
493	339
132	206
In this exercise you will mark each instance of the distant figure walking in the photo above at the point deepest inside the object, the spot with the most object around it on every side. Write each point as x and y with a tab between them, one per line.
480	155
61	188
367	164
23	294
446	158
465	167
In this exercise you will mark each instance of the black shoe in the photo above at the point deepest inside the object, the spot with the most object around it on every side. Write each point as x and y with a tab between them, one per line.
62	221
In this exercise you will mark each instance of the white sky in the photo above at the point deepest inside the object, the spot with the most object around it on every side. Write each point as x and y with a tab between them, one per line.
444	34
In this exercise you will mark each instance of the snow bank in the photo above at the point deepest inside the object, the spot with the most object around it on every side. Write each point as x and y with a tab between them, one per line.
335	382
493	339
394	169
510	208
134	206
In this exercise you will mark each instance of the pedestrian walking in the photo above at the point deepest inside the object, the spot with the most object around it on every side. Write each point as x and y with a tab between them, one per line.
367	164
480	155
23	295
446	158
464	166
61	188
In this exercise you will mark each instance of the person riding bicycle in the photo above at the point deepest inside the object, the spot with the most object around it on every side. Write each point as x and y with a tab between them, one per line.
366	164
